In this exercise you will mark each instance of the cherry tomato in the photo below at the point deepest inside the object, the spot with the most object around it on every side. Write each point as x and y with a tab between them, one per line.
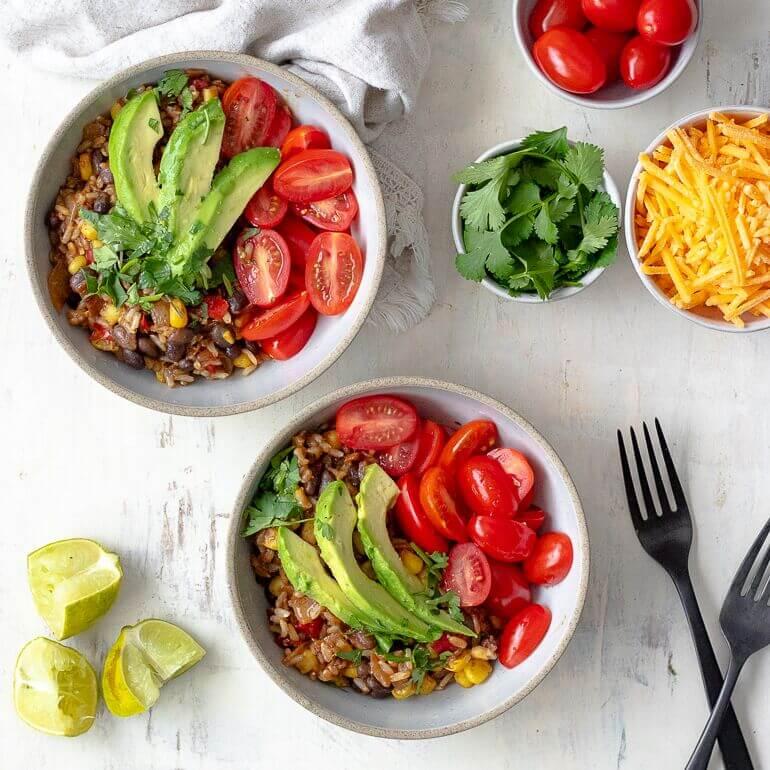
333	272
533	518
568	60
610	45
331	213
432	440
312	175
216	306
518	468
412	520
617	15
510	591
304	138
486	488
550	560
376	422
280	126
442	644
265	209
249	105
643	64
290	341
469	439
299	237
667	22
467	574
556	13
506	540
312	629
272	321
297	278
439	505
523	634
399	459
262	264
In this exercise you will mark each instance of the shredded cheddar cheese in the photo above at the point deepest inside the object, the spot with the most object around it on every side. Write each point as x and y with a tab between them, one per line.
702	217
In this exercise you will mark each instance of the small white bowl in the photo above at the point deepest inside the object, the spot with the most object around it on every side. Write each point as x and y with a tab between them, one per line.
564	292
710	318
616	95
454	709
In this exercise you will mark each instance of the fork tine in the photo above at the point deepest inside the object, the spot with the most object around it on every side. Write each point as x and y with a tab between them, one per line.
646	494
676	486
748	561
662	495
761	588
633	503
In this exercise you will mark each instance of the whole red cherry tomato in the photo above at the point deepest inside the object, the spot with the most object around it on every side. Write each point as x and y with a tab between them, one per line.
610	45
533	518
556	13
432	441
618	15
643	64
510	591
439	505
516	465
486	488
412	520
467	574
523	634
550	560
469	439
667	22
569	61
506	540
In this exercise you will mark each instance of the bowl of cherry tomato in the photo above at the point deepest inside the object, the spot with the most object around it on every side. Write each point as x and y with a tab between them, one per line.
607	54
486	501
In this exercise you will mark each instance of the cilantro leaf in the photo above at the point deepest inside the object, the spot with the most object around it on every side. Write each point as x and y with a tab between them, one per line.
354	656
172	83
601	223
481	208
517	230
523	198
484	170
545	229
538	266
559	208
487	251
586	163
607	255
551	143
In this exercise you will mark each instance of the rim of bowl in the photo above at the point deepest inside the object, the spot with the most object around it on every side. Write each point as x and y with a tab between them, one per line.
714	324
686	52
565	292
279	439
75	117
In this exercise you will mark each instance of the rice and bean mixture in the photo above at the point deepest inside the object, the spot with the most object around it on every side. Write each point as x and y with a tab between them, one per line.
320	645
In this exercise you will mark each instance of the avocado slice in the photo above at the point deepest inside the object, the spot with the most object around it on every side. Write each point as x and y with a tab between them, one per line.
188	163
377	495
306	572
335	519
231	190
135	132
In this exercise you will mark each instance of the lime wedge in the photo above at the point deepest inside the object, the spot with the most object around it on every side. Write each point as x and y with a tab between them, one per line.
141	661
73	583
54	688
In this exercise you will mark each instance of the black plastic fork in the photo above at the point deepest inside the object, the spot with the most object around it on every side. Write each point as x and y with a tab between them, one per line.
667	538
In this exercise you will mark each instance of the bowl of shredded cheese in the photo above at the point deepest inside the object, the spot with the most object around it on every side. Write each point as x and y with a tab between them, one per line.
697	218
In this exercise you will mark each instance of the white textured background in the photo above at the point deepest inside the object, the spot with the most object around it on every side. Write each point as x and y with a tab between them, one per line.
78	461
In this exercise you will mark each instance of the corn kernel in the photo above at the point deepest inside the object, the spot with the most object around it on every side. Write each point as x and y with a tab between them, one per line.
412	562
270	538
350	671
307	663
242	361
210	93
159	376
276	585
228	336
177	313
89	231
97	244
428	685
462	679
460	662
481	653
308	532
402	693
115	109
477	671
110	314
84	166
77	264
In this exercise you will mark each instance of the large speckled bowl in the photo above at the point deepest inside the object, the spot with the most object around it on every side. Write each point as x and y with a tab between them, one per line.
454	709
274	380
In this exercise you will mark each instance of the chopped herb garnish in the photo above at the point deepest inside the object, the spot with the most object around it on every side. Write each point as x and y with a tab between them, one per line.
354	656
172	83
435	562
154	124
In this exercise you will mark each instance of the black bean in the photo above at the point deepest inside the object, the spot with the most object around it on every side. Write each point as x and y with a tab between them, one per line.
186	365
219	334
124	338
102	204
132	358
97	156
181	336
232	351
78	282
237	302
175	351
73	300
148	347
105	176
252	346
377	690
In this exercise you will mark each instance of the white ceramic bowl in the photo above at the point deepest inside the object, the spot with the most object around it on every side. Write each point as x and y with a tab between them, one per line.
453	709
274	380
709	318
616	95
564	292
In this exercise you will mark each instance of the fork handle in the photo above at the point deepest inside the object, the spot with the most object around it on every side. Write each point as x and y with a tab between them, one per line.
732	745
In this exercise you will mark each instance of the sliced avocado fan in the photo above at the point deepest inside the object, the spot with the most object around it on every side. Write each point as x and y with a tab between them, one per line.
377	495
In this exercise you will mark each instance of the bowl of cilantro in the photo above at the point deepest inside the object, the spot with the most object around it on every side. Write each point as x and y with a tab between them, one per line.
536	219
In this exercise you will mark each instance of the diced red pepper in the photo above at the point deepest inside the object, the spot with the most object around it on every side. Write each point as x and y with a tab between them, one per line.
217	306
442	644
145	323
312	629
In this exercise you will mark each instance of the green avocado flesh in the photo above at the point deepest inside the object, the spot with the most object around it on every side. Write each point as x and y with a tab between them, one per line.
335	520
377	495
188	163
135	132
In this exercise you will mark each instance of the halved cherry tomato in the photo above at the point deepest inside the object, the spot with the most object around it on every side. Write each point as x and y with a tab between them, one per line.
265	209
290	341
296	278
272	321
262	264
249	105
217	306
439	505
486	488
469	439
376	422
534	518
667	22
442	644
510	590
506	540
643	64
399	459
568	60
412	520
518	468
550	560
610	45
556	13
333	272
299	237
334	214
617	15
304	138
280	127
467	574
432	441
312	175
312	629
523	634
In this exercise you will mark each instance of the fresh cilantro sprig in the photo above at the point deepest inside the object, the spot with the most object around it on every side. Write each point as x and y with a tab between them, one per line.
435	564
422	658
354	656
174	85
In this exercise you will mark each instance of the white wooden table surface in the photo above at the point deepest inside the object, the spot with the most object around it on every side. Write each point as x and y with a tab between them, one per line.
78	461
